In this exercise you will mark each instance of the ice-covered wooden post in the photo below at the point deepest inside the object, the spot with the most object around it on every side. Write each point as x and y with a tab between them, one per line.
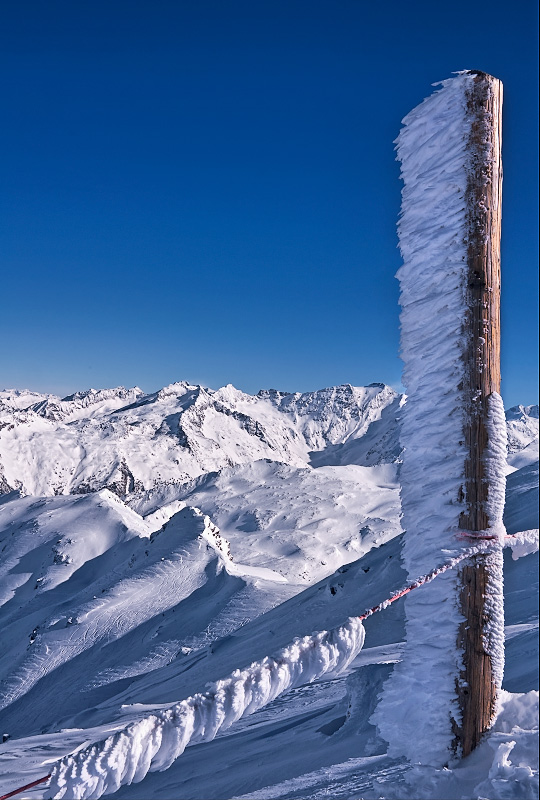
441	697
477	687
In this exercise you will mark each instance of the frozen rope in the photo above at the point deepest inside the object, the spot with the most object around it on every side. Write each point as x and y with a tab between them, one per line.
478	535
430	576
152	743
155	741
24	788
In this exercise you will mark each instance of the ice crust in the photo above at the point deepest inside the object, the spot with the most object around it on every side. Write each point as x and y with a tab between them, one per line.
418	701
523	543
152	743
495	467
495	473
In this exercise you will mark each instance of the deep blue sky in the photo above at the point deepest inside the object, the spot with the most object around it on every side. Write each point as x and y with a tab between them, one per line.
207	190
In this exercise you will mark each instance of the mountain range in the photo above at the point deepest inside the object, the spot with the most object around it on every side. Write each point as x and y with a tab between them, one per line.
154	542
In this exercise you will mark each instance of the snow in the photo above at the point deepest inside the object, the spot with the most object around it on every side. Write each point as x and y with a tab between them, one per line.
495	465
507	759
493	632
421	690
495	475
524	543
21	398
155	741
522	427
86	404
432	149
114	611
147	577
508	755
521	510
317	518
130	443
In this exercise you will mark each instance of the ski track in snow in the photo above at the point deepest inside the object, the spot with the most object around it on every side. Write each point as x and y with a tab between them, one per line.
131	601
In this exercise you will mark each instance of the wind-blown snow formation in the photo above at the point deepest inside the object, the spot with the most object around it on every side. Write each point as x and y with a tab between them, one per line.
495	469
495	466
154	742
524	543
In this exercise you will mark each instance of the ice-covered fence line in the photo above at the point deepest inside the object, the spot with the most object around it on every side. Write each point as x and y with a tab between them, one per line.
154	742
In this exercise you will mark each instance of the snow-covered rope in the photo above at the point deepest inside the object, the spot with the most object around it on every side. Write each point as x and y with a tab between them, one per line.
430	576
152	743
24	788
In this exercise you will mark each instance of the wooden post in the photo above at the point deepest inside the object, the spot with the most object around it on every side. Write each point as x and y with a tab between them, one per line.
476	688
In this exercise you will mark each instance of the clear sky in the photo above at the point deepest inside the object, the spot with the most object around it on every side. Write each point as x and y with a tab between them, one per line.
206	189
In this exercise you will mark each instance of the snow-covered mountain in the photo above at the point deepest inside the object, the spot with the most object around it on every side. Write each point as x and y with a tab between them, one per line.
314	519
522	429
129	442
153	543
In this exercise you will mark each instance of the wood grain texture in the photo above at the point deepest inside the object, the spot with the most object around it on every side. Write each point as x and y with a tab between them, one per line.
476	688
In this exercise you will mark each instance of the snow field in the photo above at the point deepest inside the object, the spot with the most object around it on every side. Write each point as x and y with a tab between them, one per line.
157	576
70	559
305	521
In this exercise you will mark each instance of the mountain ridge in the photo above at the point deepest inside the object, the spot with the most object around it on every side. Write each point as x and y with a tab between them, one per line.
128	441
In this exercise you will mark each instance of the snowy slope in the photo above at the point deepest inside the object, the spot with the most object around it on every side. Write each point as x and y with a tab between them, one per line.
111	609
302	522
320	735
133	604
522	428
21	398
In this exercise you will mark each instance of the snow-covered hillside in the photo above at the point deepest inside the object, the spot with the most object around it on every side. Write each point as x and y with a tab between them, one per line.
154	543
522	428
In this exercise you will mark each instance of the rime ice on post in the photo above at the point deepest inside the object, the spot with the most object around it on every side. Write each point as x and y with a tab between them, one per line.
441	697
